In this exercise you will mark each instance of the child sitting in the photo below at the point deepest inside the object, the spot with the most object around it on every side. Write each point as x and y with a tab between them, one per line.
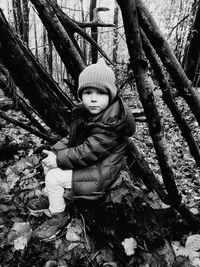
91	160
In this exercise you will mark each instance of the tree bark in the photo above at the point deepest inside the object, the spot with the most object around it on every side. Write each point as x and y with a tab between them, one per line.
25	9
140	168
48	138
94	32
71	26
115	37
42	92
83	41
169	98
21	16
169	60
139	66
44	55
17	12
133	38
193	52
71	58
35	36
8	87
50	56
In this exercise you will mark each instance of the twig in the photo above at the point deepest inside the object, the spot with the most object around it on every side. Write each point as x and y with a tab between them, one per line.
95	22
84	233
182	20
74	27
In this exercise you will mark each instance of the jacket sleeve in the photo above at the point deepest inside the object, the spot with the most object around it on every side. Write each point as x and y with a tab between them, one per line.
95	147
61	144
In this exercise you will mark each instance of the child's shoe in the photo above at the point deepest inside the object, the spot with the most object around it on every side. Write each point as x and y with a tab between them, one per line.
38	206
52	227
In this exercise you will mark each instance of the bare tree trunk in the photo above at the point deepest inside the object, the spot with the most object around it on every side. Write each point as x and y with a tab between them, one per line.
50	56
181	28
115	37
169	60
17	13
72	26
191	22
84	46
42	92
44	39
94	32
35	36
25	9
132	31
193	52
169	99
21	16
140	168
9	89
65	47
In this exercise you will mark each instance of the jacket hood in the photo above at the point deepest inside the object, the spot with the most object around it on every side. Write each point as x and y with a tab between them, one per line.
118	117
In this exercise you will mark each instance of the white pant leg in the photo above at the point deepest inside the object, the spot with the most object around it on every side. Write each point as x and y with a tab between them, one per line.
55	182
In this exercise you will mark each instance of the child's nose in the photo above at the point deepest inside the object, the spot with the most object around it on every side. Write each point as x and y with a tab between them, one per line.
93	97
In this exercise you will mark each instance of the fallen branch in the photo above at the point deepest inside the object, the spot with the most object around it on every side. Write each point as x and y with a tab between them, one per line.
9	88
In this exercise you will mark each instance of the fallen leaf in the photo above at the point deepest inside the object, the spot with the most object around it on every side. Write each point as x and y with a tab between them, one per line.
20	243
193	242
129	244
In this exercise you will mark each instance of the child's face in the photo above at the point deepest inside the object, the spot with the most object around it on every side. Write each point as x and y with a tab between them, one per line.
94	100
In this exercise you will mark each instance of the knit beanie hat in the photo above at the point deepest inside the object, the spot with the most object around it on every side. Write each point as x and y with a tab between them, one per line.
98	76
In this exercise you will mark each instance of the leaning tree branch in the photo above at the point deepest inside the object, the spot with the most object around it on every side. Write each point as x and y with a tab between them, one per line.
139	66
72	26
32	81
184	18
50	139
169	99
8	86
26	109
71	58
146	95
139	167
191	60
169	60
55	89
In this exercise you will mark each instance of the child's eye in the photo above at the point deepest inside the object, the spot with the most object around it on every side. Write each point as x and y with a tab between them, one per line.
86	92
102	93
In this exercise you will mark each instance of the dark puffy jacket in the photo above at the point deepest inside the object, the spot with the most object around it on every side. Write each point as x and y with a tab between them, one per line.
96	148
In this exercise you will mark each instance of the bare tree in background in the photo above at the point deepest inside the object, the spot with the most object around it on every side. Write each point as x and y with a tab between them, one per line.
115	37
192	55
94	31
21	17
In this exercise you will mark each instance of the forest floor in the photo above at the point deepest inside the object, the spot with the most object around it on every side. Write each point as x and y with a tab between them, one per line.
21	178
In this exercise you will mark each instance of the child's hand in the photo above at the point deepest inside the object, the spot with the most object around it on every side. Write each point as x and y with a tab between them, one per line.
50	161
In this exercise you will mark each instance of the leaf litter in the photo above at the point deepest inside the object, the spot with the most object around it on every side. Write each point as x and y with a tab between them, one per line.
21	178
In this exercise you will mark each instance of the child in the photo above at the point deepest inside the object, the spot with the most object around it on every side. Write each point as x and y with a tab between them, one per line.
91	160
